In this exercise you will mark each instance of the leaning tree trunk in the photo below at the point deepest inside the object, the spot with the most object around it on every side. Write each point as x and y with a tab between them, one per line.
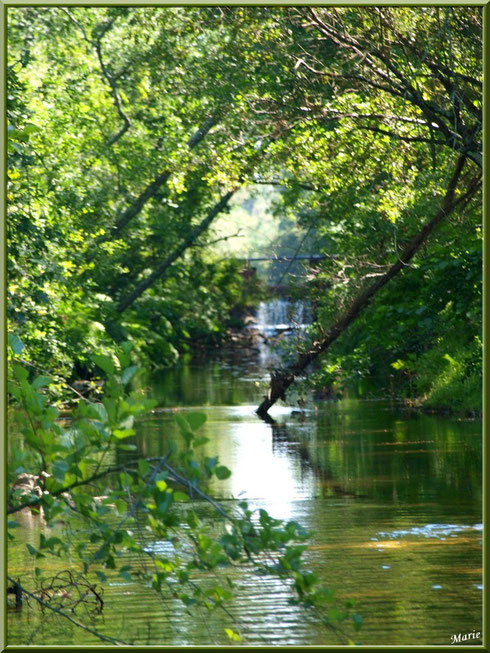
153	187
189	240
282	379
178	251
148	193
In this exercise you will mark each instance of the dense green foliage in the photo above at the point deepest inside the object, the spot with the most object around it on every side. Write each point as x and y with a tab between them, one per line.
130	131
87	472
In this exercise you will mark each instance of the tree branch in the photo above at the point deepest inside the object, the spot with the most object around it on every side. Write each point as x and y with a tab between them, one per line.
456	139
115	94
65	615
281	380
56	493
100	30
167	262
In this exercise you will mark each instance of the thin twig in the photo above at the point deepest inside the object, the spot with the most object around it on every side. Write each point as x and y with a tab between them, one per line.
105	638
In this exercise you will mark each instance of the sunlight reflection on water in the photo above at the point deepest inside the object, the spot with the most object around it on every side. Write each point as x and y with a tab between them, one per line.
432	530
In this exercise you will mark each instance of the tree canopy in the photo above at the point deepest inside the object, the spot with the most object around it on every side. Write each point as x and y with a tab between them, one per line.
131	131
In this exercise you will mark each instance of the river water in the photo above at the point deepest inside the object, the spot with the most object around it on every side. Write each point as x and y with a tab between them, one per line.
393	498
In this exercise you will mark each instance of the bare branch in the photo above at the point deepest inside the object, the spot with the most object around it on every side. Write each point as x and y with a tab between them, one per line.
65	615
100	30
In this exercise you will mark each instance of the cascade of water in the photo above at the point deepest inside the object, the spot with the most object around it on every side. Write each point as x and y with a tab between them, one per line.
276	317
281	314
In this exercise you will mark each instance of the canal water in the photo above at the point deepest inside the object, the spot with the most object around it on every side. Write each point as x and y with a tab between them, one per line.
392	496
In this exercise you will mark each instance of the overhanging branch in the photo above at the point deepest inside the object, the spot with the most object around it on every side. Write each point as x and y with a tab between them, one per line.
281	380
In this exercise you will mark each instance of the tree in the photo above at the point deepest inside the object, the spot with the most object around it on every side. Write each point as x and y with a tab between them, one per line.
130	129
281	380
382	116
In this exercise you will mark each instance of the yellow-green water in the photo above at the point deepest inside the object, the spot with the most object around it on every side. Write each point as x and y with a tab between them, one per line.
393	498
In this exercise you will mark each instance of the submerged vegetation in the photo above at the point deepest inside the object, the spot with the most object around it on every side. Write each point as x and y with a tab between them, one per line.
140	141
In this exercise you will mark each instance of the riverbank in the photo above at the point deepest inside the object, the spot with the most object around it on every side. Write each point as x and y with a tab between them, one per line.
250	341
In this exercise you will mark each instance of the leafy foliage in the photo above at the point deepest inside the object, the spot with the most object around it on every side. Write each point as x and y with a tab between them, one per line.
69	472
130	132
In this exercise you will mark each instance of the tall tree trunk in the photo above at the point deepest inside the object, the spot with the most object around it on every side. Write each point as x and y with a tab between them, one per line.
282	379
150	190
185	244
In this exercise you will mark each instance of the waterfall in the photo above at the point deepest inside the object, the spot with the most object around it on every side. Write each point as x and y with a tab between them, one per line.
280	314
279	319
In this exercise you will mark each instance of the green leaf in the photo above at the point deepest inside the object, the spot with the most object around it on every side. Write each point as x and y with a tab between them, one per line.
222	472
60	467
104	362
40	382
15	343
398	364
48	543
357	619
161	485
125	480
101	576
165	502
29	128
198	442
14	390
101	412
120	506
181	423
192	519
235	637
128	374
181	496
196	420
20	372
210	463
143	467
110	406
124	433
124	572
123	358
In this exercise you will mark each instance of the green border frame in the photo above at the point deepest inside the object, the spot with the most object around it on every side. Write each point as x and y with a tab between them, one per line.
3	266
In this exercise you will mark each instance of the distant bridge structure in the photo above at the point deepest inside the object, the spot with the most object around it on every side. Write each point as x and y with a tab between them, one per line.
249	272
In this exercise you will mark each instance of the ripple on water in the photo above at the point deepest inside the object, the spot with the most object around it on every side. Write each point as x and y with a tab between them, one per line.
438	531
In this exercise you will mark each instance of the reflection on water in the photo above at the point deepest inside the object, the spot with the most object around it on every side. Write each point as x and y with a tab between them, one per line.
440	531
393	498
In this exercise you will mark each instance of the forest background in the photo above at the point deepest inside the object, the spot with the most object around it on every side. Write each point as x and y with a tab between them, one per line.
125	152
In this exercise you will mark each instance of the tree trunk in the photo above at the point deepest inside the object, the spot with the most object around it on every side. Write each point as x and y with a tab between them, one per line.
138	204
282	379
152	188
166	263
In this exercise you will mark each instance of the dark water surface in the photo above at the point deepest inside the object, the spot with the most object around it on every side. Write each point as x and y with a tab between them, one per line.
393	498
